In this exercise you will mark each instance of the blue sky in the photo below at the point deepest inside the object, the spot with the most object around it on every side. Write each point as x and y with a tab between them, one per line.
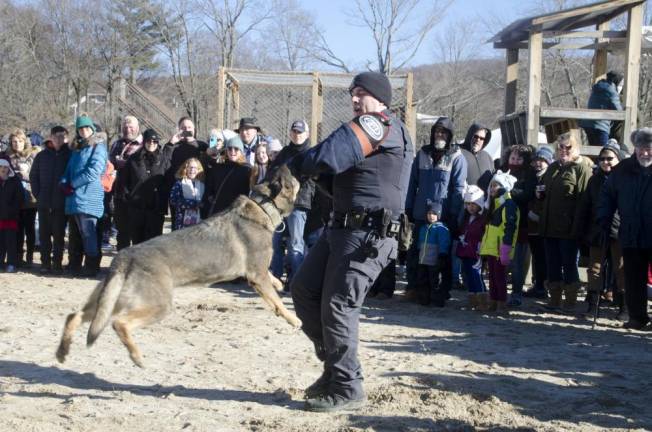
483	17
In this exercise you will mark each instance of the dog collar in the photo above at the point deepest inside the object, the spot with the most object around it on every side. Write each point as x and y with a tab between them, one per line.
269	208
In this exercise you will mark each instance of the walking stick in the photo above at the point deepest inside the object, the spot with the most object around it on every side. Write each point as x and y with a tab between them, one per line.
605	270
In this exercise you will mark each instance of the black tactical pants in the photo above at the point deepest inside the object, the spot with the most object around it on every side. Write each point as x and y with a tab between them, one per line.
328	291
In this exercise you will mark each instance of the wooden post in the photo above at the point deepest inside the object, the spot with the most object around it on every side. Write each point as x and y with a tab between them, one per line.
600	56
511	81
221	92
535	45
316	109
410	108
632	66
235	91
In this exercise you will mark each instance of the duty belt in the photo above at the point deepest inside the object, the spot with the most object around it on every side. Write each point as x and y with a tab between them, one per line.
378	220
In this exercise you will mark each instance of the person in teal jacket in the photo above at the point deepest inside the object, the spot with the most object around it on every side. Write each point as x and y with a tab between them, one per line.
81	183
433	245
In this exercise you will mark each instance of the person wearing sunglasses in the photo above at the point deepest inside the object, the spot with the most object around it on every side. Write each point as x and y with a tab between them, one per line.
563	185
592	235
480	165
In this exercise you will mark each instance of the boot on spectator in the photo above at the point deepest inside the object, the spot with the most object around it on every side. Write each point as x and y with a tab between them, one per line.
554	292
570	296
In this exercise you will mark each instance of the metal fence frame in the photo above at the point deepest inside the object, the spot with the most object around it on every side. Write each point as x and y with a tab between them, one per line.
321	98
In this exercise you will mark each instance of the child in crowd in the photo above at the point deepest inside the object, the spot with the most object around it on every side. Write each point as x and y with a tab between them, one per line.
187	193
433	243
468	247
500	237
542	159
12	196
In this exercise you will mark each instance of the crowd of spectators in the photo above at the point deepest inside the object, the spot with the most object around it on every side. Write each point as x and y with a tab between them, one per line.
473	218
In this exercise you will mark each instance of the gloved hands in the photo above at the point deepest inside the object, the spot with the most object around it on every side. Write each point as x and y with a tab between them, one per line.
504	258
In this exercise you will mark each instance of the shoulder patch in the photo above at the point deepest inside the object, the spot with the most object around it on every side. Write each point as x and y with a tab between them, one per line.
372	126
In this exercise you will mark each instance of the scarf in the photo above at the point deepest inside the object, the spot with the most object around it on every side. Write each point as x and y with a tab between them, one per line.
192	189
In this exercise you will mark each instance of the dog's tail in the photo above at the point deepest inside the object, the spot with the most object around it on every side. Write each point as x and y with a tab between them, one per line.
105	305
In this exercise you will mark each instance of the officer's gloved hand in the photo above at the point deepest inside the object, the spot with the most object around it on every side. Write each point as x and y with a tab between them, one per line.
371	129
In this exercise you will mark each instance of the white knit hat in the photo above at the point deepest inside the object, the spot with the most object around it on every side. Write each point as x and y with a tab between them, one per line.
475	195
504	179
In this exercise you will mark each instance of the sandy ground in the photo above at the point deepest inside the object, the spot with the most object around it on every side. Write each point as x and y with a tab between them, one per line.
223	362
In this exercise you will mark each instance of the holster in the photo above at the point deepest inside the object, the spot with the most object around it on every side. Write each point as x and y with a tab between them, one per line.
359	218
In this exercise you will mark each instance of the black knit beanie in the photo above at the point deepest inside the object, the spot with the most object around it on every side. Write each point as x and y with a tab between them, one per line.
376	84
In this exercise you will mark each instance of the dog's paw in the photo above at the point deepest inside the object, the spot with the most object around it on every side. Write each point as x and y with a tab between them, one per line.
296	323
61	354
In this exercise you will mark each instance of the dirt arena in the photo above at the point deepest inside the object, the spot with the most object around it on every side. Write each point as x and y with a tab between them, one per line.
222	362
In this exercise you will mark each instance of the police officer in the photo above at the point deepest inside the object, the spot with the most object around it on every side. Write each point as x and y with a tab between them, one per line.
367	162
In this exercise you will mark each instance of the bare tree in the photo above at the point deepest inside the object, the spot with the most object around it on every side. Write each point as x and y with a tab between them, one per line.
231	20
399	27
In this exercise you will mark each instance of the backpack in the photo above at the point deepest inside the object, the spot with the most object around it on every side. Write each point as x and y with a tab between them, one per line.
108	177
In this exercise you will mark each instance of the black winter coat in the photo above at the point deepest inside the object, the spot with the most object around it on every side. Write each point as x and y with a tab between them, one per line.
143	180
629	191
480	167
590	231
307	189
12	196
522	193
224	183
181	152
45	175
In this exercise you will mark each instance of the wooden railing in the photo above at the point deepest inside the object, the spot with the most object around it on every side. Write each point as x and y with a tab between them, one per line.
150	112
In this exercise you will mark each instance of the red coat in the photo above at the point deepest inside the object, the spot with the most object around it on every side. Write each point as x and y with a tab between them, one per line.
469	241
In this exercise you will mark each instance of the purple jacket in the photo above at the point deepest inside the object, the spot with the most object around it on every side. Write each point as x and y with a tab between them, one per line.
469	241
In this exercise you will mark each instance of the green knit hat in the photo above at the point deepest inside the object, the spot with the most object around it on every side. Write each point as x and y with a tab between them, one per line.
84	121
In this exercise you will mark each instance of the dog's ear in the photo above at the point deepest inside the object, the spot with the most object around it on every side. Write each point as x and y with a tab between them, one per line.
275	186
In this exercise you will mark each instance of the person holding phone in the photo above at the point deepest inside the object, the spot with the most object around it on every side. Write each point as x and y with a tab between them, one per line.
183	145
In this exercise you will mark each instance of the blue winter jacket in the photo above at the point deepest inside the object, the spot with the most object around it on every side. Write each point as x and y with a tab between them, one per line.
604	95
83	173
442	181
434	240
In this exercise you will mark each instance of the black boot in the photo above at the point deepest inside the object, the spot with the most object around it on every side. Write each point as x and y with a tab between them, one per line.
46	266
319	387
622	314
91	267
57	268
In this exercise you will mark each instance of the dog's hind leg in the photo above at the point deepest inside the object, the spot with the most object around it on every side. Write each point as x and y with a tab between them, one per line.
277	284
264	288
73	321
125	324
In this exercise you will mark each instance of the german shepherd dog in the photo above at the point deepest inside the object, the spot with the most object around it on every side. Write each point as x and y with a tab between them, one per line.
237	242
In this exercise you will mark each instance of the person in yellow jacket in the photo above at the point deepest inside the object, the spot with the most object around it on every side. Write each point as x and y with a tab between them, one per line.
499	237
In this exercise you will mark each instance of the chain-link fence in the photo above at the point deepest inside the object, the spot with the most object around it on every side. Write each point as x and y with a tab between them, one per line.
276	99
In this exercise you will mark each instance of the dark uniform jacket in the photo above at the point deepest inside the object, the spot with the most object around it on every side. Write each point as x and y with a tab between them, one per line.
12	196
47	169
479	166
307	189
224	183
378	181
143	180
629	190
